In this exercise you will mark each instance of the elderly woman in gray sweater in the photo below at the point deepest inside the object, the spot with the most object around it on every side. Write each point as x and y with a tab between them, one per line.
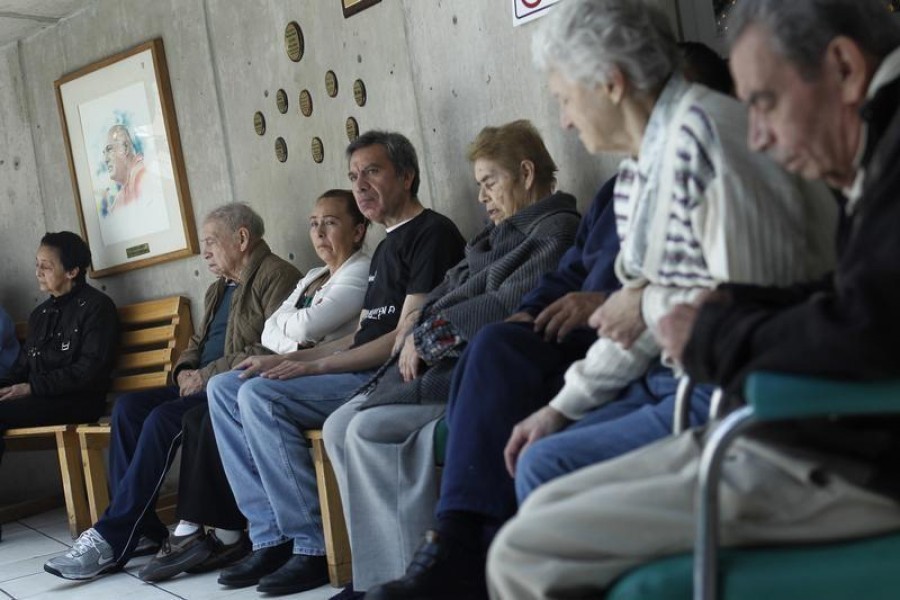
380	442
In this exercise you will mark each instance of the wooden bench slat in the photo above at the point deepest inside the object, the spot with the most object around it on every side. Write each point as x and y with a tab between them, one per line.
147	336
151	311
142	381
37	431
145	359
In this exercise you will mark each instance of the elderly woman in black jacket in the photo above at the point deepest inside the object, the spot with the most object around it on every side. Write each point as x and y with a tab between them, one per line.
63	369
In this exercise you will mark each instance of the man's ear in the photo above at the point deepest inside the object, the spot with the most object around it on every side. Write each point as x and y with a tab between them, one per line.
848	61
243	238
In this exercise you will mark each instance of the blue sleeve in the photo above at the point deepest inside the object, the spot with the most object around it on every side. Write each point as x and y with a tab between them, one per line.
9	345
588	263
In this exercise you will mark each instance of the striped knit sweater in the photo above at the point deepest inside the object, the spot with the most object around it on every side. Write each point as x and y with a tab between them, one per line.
501	264
696	209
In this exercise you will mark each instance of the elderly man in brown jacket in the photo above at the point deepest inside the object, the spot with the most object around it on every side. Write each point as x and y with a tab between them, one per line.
146	426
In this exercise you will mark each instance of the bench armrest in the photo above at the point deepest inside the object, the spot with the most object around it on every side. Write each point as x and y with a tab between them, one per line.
776	396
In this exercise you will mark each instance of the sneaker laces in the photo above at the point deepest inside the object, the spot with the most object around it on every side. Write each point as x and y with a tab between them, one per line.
87	540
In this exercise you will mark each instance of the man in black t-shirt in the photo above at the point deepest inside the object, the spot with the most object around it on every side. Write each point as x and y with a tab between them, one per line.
259	420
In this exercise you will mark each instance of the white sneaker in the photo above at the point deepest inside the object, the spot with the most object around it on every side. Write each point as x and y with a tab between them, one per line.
90	556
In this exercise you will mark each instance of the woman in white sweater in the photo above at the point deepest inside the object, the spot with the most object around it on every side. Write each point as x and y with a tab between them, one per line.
325	305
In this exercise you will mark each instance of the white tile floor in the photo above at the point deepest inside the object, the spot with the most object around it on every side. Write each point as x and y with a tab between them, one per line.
28	543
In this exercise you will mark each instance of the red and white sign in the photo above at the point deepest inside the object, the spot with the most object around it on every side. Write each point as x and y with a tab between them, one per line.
529	10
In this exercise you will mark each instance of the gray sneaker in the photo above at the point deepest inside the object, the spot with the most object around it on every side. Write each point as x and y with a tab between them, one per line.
90	556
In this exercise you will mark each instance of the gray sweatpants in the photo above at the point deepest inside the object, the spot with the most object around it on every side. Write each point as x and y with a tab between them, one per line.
575	535
383	458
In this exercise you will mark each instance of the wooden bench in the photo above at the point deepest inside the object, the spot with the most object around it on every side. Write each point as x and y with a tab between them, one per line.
153	335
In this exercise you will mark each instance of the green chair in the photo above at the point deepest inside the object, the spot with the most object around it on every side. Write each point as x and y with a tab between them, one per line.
866	568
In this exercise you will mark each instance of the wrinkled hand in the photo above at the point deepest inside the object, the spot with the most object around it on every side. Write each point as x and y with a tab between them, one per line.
410	364
568	313
675	329
290	369
520	317
254	365
620	318
19	390
540	424
404	328
189	382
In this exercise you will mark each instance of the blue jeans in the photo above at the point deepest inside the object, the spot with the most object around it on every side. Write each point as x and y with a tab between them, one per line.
259	426
642	414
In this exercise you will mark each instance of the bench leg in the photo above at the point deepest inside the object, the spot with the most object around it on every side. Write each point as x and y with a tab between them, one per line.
73	481
94	474
337	542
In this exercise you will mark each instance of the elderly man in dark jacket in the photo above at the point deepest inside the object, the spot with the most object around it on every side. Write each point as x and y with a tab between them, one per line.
822	82
146	425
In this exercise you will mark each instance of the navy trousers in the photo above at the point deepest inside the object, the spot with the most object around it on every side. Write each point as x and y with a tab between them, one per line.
506	373
146	432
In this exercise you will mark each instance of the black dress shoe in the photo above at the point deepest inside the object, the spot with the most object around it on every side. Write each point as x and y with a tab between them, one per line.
256	566
298	574
348	593
438	571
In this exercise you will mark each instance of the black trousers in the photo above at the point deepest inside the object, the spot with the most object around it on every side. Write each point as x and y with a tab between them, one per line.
204	495
37	411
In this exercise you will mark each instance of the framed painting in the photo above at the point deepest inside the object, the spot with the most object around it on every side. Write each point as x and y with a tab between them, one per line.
351	7
125	160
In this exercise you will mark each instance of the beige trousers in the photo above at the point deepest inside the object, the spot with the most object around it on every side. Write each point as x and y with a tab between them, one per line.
577	534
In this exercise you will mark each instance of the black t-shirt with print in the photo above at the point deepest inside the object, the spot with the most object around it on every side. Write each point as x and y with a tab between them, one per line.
411	259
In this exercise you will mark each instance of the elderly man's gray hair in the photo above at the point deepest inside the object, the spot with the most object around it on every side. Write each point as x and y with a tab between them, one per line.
236	215
802	29
584	39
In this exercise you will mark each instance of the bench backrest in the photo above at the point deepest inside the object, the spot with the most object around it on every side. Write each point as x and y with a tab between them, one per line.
154	333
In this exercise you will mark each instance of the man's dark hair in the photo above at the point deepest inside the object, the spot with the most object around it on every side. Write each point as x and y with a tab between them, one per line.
399	149
802	29
73	251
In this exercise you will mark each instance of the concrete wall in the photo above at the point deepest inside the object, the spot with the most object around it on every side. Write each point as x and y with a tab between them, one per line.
436	70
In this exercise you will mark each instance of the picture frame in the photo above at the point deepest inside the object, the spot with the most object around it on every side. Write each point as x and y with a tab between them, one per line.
351	7
125	161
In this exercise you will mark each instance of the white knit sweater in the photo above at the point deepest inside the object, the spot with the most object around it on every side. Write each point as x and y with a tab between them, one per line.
701	210
333	313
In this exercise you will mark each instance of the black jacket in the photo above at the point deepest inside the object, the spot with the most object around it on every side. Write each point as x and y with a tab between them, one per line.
845	327
71	346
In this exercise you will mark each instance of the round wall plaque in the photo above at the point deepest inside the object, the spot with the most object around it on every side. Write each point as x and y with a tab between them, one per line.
331	84
352	128
318	150
281	101
293	41
281	152
306	103
259	123
359	92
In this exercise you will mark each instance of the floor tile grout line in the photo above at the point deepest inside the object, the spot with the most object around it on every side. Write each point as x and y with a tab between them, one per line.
5	593
46	535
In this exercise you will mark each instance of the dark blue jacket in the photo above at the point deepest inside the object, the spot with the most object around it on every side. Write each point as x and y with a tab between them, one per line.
588	265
